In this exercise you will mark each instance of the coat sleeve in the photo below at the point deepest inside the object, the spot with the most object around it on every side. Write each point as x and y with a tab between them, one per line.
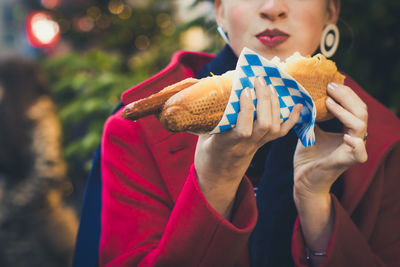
142	226
351	244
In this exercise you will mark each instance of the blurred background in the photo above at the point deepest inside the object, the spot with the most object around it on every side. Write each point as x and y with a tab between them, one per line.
63	66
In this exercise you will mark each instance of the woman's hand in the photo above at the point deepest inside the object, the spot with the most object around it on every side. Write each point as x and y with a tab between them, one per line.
221	160
317	168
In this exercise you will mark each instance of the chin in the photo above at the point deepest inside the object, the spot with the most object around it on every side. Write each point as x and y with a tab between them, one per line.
271	53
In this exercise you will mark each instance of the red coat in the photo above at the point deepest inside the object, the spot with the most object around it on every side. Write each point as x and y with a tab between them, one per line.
154	213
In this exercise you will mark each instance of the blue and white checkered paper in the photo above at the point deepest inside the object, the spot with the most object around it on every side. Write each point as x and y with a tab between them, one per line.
250	66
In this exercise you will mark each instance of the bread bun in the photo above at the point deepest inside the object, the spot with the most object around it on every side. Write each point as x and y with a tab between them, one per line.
314	74
152	105
198	108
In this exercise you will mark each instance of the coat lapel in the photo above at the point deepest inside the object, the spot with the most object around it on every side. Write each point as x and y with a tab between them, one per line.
173	152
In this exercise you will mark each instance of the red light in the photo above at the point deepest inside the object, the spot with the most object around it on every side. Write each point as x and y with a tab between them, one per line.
85	24
50	4
42	31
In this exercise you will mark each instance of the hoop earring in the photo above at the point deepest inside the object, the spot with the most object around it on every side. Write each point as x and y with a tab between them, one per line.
329	40
223	34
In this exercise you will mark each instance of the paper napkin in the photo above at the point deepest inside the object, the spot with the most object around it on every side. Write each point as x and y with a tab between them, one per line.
250	66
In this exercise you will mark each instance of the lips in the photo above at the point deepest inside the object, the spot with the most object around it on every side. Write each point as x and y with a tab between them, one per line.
272	38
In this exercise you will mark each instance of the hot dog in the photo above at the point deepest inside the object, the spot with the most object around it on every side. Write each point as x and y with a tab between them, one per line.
198	105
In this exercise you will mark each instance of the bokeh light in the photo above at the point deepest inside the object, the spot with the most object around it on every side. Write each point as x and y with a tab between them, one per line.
142	42
50	4
163	20
94	12
169	31
195	39
42	30
116	6
84	24
126	12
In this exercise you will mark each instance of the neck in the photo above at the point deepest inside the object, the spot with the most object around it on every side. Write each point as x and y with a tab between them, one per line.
224	61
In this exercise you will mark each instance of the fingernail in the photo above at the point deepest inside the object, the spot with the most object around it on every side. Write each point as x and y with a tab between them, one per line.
348	137
261	80
330	101
247	92
272	88
332	86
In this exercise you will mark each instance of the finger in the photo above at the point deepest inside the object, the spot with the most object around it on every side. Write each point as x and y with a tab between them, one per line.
264	106
244	124
292	120
348	99
359	149
356	126
276	111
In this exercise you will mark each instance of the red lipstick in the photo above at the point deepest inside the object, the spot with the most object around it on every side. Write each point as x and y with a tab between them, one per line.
272	38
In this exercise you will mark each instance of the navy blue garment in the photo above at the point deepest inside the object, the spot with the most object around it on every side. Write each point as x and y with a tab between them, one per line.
224	61
270	242
86	252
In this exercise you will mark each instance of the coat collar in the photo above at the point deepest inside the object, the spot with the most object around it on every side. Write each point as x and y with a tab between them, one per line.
184	64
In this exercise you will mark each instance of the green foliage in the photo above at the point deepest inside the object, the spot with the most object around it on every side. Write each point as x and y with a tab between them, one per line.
86	87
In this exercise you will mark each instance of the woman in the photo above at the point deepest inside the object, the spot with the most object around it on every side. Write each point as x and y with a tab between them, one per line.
178	200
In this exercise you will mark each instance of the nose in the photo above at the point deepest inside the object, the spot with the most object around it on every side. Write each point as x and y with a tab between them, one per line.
273	10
